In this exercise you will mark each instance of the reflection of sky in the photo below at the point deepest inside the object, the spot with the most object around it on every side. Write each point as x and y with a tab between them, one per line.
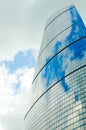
56	68
76	96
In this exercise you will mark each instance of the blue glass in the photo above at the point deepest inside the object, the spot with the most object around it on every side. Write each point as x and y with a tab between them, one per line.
54	70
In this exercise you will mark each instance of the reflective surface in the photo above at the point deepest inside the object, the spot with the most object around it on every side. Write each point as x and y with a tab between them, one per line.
59	85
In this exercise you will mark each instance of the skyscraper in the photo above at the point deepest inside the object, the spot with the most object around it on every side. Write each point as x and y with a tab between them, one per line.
59	85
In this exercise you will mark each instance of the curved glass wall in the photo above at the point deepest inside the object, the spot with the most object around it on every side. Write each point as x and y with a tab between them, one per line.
60	34
59	85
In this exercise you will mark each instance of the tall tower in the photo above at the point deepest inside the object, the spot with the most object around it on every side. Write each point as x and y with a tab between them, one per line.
59	85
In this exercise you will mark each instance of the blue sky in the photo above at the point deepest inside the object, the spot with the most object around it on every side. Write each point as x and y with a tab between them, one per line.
21	60
21	28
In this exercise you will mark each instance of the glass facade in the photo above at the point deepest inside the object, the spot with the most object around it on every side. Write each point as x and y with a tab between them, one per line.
59	85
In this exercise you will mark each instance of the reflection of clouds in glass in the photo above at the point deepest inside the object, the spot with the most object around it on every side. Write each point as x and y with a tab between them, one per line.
57	90
58	66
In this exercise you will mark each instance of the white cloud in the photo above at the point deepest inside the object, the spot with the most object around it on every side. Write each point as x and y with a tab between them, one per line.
13	106
6	81
26	76
1	128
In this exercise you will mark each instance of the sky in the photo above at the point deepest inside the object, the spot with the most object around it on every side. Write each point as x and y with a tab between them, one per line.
22	24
